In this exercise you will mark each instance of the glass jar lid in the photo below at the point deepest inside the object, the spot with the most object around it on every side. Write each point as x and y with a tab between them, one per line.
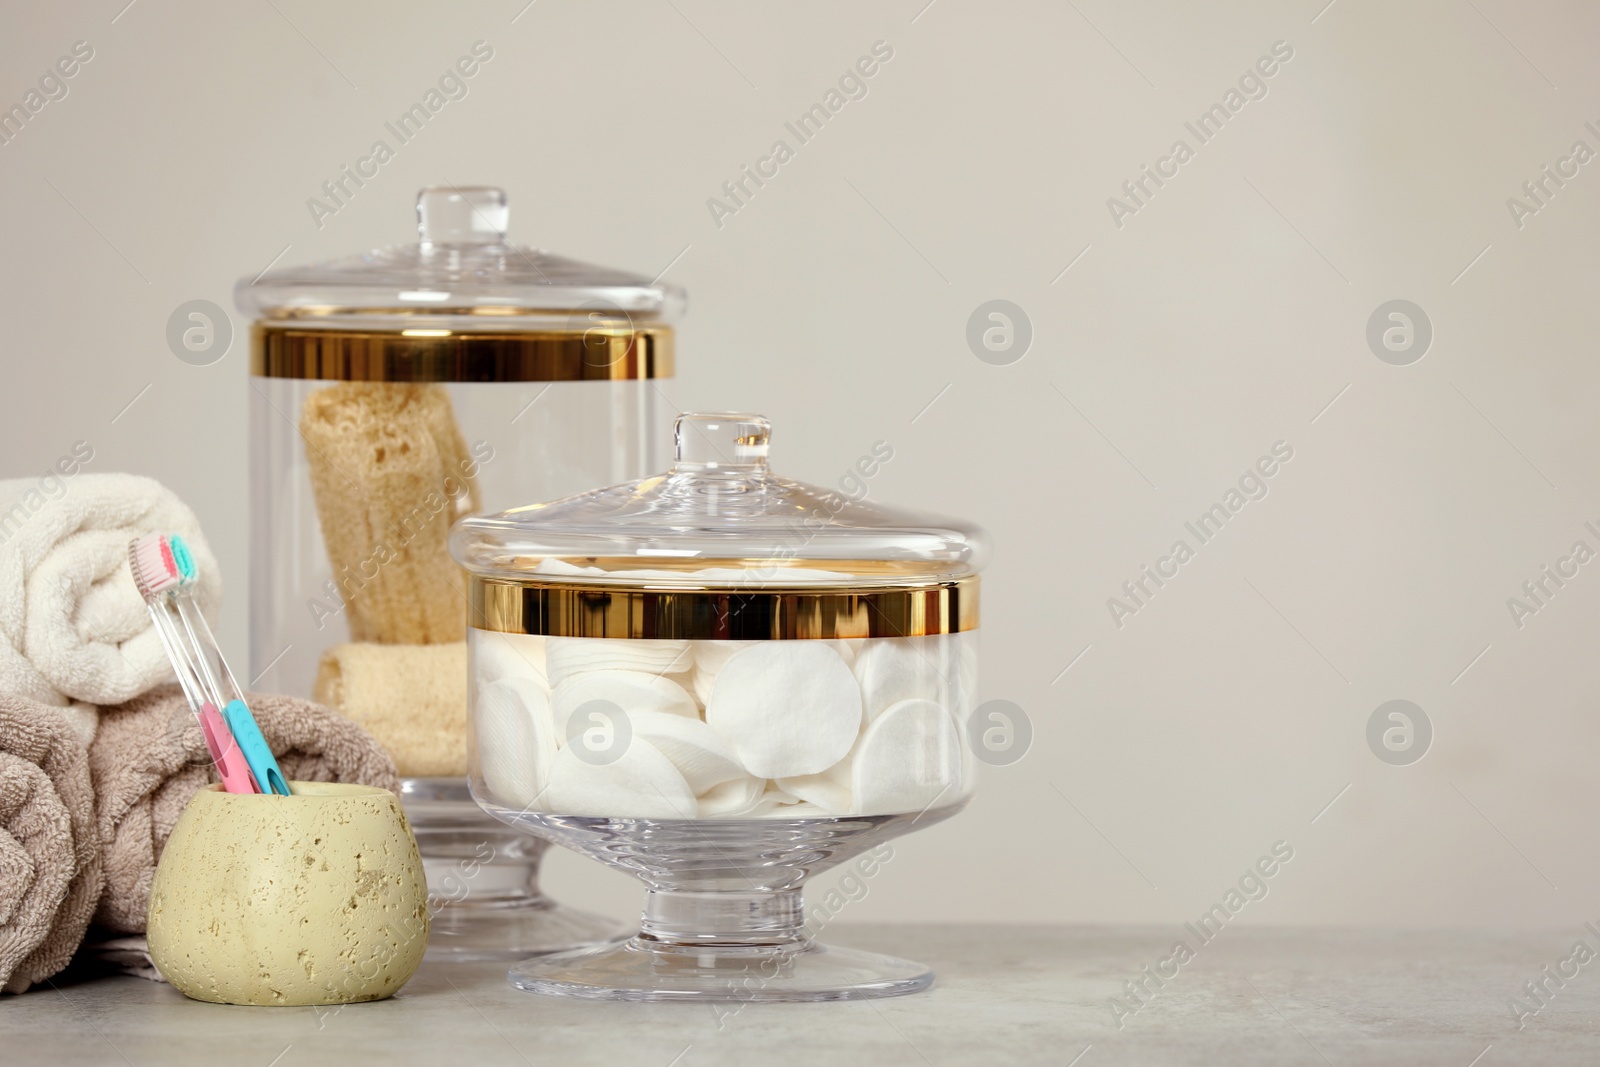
720	547
462	304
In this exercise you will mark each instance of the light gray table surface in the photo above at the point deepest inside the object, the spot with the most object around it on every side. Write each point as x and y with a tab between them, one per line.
1005	994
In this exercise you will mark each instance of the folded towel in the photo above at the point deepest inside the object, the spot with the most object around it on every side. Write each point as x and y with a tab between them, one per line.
50	871
148	759
412	698
73	627
390	472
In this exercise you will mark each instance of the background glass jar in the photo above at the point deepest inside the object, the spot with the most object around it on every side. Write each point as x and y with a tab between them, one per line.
392	393
721	681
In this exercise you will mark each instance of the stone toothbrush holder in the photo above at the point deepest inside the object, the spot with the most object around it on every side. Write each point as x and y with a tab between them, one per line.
314	898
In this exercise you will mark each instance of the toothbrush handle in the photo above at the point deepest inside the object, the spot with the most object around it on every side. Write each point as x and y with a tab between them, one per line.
257	754
225	753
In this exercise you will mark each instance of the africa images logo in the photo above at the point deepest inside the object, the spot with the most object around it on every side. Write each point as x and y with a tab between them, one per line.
1253	485
1252	85
852	85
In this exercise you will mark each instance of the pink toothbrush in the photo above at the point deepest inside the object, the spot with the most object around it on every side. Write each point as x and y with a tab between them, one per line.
156	574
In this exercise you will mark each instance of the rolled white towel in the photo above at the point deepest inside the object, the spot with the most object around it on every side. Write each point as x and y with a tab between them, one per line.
73	628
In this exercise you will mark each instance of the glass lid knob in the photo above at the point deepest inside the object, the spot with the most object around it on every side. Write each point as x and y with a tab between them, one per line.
462	215
721	441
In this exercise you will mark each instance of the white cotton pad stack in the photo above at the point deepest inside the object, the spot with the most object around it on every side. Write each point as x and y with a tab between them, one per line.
894	669
736	576
568	656
773	796
635	692
965	698
802	810
516	739
848	650
641	783
709	659
703	758
734	798
908	759
561	568
788	730
830	790
779	804
498	655
788	708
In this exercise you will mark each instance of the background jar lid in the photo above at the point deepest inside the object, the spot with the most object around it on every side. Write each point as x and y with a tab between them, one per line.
461	304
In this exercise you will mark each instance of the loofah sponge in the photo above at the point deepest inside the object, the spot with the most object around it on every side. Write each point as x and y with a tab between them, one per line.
390	473
412	699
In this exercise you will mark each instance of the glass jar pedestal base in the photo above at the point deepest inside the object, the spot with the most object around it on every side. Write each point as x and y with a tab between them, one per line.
724	918
644	969
483	882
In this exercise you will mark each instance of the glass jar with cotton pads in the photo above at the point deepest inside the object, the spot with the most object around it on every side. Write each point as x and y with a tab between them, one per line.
393	392
722	681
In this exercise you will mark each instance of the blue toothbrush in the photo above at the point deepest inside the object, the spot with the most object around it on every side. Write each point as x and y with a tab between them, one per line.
242	724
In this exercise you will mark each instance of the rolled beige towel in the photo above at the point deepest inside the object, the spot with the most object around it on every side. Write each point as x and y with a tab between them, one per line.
50	869
148	759
390	473
412	698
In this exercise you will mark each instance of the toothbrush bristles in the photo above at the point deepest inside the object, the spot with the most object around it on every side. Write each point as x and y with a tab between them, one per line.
182	560
154	569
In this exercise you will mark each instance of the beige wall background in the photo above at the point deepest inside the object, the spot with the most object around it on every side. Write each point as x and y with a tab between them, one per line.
1168	353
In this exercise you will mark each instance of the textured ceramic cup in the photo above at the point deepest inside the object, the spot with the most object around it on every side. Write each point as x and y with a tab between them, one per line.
315	898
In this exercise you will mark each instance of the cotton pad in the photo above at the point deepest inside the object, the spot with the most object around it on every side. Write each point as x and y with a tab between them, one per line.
966	687
709	659
908	758
771	797
787	707
712	656
848	649
736	797
635	692
551	565
775	803
897	669
703	758
802	810
516	740
567	656
500	655
641	783
829	790
736	576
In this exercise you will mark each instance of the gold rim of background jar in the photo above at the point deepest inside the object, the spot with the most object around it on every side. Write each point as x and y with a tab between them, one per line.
560	609
286	349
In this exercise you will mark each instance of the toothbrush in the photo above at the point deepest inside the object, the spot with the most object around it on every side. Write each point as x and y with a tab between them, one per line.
156	574
164	572
236	714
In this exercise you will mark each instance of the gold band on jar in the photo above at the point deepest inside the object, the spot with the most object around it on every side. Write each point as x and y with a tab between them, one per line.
722	614
620	353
